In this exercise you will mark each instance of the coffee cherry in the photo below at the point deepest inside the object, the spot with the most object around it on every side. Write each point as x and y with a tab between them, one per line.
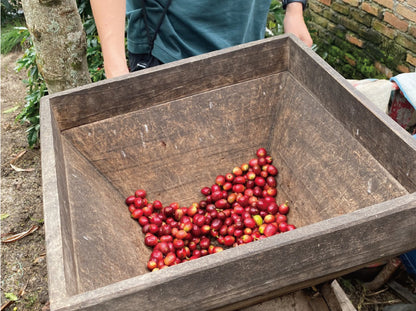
238	208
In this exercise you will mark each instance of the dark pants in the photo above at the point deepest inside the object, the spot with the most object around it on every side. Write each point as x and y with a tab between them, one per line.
142	61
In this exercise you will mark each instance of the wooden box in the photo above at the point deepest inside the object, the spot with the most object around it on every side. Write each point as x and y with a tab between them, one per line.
347	169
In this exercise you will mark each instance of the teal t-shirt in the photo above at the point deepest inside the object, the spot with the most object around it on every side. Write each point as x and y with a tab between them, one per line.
194	27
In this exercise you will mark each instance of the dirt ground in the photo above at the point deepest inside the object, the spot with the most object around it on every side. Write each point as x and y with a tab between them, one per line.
23	262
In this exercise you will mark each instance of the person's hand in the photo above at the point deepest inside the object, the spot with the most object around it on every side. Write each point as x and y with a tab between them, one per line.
295	24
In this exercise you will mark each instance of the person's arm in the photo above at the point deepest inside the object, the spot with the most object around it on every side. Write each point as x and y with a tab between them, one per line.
109	16
295	24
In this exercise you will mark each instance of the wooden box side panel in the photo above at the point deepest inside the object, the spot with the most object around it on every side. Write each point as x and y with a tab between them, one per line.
247	274
108	243
390	144
58	227
175	149
169	82
324	171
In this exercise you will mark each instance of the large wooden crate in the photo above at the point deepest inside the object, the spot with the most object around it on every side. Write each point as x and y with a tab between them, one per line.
348	171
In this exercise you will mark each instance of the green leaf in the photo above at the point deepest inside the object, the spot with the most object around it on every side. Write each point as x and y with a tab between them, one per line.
37	220
11	296
32	136
13	109
4	216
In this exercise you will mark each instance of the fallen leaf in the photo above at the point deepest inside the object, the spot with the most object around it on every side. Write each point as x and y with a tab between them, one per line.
13	109
20	235
40	258
19	155
18	169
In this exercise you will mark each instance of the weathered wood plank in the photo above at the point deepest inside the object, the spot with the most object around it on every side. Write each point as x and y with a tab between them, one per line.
390	144
108	245
296	301
175	149
324	170
272	266
336	298
168	82
402	292
60	259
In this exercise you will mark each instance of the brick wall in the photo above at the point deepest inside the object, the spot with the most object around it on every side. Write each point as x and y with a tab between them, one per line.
365	39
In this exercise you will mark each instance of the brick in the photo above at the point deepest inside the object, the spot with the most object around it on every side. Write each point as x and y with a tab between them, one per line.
406	12
315	7
407	42
386	3
412	31
352	2
341	8
370	8
343	44
354	40
321	21
395	21
384	29
361	17
370	35
349	23
372	50
334	29
383	69
326	2
403	68
411	59
331	15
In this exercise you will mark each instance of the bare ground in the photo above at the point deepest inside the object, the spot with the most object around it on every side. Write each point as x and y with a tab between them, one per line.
23	262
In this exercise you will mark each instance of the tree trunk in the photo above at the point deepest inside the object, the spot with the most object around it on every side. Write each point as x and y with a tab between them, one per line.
59	41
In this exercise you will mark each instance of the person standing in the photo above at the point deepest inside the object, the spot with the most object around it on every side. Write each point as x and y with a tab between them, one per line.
162	31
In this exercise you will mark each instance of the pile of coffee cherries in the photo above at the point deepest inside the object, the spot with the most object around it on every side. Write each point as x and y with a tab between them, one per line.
238	208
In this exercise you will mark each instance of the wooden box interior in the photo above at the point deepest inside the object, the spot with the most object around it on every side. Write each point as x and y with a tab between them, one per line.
172	129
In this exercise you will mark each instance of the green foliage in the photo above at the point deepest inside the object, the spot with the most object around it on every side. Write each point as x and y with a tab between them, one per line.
94	54
275	19
367	69
336	51
36	89
11	11
347	69
351	62
12	38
